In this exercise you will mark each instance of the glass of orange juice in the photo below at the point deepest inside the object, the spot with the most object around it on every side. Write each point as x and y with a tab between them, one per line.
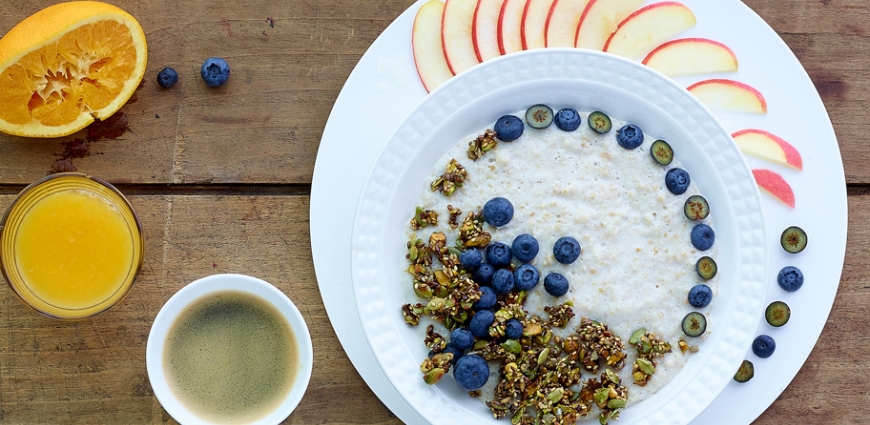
71	245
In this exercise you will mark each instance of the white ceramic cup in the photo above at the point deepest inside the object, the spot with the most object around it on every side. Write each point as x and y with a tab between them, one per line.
209	285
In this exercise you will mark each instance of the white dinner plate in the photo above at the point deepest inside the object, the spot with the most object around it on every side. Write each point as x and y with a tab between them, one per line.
384	88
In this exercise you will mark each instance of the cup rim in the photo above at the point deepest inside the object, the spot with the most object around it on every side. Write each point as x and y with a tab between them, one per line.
194	291
135	227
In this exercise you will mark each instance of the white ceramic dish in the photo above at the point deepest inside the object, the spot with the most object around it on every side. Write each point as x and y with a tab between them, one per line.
559	77
209	285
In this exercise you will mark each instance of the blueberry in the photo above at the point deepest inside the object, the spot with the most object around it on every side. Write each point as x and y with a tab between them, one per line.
480	323
677	180
790	278
503	281
694	324
483	274
556	284
700	296
745	372
498	254
215	71
488	299
462	338
471	372
513	329
509	128
763	346
567	119
525	247
167	77
566	250
629	136
703	237
456	351
526	277
498	211
471	258
793	240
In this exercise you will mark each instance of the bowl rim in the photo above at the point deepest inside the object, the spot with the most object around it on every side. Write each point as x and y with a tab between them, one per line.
217	283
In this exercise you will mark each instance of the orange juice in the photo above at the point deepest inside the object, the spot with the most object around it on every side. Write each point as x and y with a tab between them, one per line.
71	246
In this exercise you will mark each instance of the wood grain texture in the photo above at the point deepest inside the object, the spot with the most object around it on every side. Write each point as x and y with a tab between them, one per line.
235	164
93	371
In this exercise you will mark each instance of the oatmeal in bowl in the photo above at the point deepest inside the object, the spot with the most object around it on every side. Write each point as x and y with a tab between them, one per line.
556	262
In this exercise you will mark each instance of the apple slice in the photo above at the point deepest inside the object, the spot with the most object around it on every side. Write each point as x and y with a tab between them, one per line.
535	23
484	29
775	185
562	21
768	146
510	20
426	42
600	19
690	56
649	27
729	95
456	26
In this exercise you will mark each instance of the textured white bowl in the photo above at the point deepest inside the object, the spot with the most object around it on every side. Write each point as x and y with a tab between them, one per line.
586	80
209	285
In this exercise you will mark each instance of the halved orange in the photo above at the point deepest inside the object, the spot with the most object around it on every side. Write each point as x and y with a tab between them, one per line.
66	65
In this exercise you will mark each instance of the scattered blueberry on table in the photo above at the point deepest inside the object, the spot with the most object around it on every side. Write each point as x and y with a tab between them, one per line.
215	71
167	77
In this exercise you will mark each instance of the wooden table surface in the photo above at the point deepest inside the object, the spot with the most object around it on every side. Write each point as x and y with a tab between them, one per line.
221	180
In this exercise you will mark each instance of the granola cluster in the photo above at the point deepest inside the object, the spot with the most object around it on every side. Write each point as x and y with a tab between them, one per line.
648	347
482	144
453	178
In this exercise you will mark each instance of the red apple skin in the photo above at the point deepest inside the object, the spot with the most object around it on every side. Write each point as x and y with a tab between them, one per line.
501	24
743	86
475	28
638	12
453	67
688	40
792	155
775	185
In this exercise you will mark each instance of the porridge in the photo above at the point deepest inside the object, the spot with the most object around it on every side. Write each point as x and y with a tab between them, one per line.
612	318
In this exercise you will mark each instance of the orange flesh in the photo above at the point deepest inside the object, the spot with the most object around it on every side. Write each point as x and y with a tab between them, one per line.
83	71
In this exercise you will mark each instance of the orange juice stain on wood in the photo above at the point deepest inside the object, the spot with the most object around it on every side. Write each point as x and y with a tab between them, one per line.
74	249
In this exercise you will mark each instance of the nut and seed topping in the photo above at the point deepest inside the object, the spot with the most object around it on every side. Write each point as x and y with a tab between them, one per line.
454	214
423	218
453	178
471	234
482	144
600	343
